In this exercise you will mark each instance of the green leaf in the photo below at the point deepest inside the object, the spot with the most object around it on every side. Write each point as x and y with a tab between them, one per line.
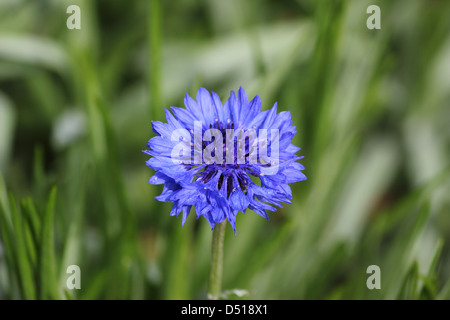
428	290
31	245
26	277
7	124
48	275
74	237
96	286
436	258
32	217
31	234
408	290
444	294
4	200
6	235
430	281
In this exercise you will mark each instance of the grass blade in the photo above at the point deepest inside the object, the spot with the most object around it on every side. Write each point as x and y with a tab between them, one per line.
409	286
49	289
32	217
430	281
6	238
26	277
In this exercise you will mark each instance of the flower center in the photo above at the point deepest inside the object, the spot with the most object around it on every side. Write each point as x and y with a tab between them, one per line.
231	179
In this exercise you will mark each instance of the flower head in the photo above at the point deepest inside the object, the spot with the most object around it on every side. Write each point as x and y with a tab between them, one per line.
224	158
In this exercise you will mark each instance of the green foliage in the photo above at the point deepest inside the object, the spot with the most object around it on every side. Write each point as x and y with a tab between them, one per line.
370	106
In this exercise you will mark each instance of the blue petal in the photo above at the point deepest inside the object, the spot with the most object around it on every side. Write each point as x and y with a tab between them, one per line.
219	107
232	219
217	207
238	201
161	145
186	210
254	110
176	208
162	129
259	211
173	123
285	140
185	117
292	149
233	106
286	190
270	117
159	178
258	120
276	178
294	174
206	105
190	104
282	121
243	103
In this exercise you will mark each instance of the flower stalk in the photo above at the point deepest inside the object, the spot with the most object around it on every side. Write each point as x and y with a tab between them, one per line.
215	275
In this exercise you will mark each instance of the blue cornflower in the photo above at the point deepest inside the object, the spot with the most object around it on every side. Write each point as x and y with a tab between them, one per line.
223	159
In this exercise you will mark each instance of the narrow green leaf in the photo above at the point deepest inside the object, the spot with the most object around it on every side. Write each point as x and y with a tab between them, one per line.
96	286
408	290
401	251
4	200
7	126
31	235
429	288
31	245
430	281
73	240
48	275
27	280
8	243
436	258
32	217
444	294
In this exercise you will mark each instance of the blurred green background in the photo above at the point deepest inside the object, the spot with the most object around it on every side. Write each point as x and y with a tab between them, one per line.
371	108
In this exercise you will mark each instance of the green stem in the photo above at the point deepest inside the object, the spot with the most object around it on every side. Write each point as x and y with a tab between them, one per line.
215	275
